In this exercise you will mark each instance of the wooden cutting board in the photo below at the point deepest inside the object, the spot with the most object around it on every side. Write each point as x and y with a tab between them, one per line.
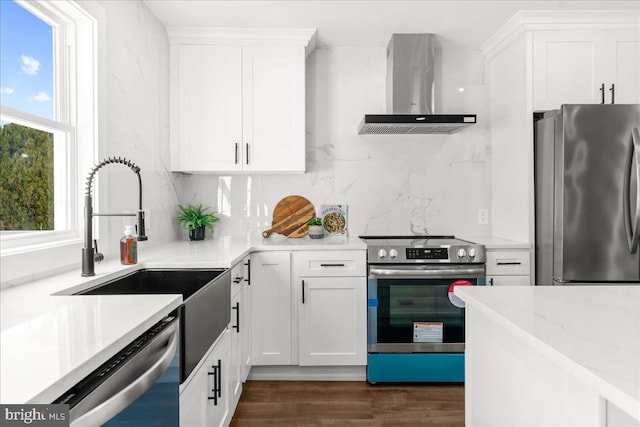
290	217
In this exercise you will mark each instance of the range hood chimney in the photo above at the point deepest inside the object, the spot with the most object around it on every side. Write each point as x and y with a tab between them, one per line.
410	89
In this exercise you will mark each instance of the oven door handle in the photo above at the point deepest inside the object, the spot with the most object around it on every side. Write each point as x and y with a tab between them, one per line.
457	273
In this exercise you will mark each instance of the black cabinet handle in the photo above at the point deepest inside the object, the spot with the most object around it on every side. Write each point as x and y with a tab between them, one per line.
602	93
248	279
236	153
247	153
238	279
237	309
612	89
217	383
491	282
508	263
332	265
219	378
303	291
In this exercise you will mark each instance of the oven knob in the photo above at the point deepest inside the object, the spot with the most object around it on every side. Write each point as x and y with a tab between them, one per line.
382	253
393	253
472	253
462	253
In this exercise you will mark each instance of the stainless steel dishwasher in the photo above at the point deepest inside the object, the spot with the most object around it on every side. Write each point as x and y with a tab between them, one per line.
138	386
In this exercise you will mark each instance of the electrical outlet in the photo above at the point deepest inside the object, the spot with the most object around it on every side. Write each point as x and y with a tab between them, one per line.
483	216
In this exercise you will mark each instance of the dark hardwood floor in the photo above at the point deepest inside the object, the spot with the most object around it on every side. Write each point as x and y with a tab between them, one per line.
312	403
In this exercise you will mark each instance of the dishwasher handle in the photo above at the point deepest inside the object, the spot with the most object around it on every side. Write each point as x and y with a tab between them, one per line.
125	397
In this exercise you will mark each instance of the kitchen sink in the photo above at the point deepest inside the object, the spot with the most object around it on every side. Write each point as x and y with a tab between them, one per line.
157	281
204	312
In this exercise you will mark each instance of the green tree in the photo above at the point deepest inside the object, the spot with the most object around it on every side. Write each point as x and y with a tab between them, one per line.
26	178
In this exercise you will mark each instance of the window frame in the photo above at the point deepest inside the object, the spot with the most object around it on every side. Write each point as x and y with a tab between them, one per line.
75	56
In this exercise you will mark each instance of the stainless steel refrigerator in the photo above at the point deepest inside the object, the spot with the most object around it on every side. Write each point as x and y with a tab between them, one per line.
587	210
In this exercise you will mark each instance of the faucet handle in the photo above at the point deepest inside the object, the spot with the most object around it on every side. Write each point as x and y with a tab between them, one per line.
140	231
97	256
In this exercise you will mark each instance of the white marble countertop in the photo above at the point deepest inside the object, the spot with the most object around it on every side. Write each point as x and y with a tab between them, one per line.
593	332
50	340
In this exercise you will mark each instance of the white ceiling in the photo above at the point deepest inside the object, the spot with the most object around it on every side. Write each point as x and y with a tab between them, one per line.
368	23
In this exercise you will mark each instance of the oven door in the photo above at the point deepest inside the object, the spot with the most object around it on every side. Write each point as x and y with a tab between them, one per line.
412	308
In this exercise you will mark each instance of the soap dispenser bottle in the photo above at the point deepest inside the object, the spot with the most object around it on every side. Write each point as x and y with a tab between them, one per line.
128	247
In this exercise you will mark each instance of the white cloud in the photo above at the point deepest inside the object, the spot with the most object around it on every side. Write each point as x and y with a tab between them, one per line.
6	90
30	65
42	97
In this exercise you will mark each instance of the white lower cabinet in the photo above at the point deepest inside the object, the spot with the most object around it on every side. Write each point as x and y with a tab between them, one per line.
239	330
271	308
332	307
332	327
508	267
245	318
326	324
204	400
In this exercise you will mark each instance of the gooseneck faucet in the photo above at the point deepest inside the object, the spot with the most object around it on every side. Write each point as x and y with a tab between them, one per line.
90	253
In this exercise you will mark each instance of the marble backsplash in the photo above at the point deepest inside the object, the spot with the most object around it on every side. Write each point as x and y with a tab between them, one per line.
392	184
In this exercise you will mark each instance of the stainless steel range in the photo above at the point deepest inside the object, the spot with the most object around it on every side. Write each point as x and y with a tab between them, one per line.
415	322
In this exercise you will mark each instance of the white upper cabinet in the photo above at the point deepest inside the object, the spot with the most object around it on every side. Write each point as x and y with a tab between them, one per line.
585	67
623	53
538	61
206	108
274	115
238	100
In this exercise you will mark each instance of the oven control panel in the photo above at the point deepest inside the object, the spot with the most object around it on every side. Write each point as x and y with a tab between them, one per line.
427	253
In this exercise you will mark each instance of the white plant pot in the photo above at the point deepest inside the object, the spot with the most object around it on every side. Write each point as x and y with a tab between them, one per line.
316	231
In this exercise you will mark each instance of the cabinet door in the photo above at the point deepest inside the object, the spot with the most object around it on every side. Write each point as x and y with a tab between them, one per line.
217	410
245	316
332	321
274	108
568	68
236	368
194	399
271	308
622	54
206	108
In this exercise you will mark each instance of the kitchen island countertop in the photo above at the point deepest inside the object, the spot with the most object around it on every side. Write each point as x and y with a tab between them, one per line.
50	339
590	332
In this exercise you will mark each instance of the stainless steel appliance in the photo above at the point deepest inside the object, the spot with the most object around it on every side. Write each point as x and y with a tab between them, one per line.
587	167
138	386
415	327
411	85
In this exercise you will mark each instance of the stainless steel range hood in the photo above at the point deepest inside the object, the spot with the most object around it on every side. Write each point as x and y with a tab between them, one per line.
410	88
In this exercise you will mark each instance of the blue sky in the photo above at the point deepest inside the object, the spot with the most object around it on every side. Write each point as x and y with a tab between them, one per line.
26	61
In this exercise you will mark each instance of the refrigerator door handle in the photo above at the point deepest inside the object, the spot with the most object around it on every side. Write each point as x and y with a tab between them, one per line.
632	226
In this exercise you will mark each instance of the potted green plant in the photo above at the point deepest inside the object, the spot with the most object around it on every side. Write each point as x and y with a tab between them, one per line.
315	228
196	219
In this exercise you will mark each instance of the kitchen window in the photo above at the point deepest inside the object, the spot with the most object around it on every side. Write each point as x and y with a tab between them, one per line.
48	120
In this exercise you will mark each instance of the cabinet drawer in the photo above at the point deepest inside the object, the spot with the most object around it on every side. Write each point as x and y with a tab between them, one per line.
330	263
507	262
